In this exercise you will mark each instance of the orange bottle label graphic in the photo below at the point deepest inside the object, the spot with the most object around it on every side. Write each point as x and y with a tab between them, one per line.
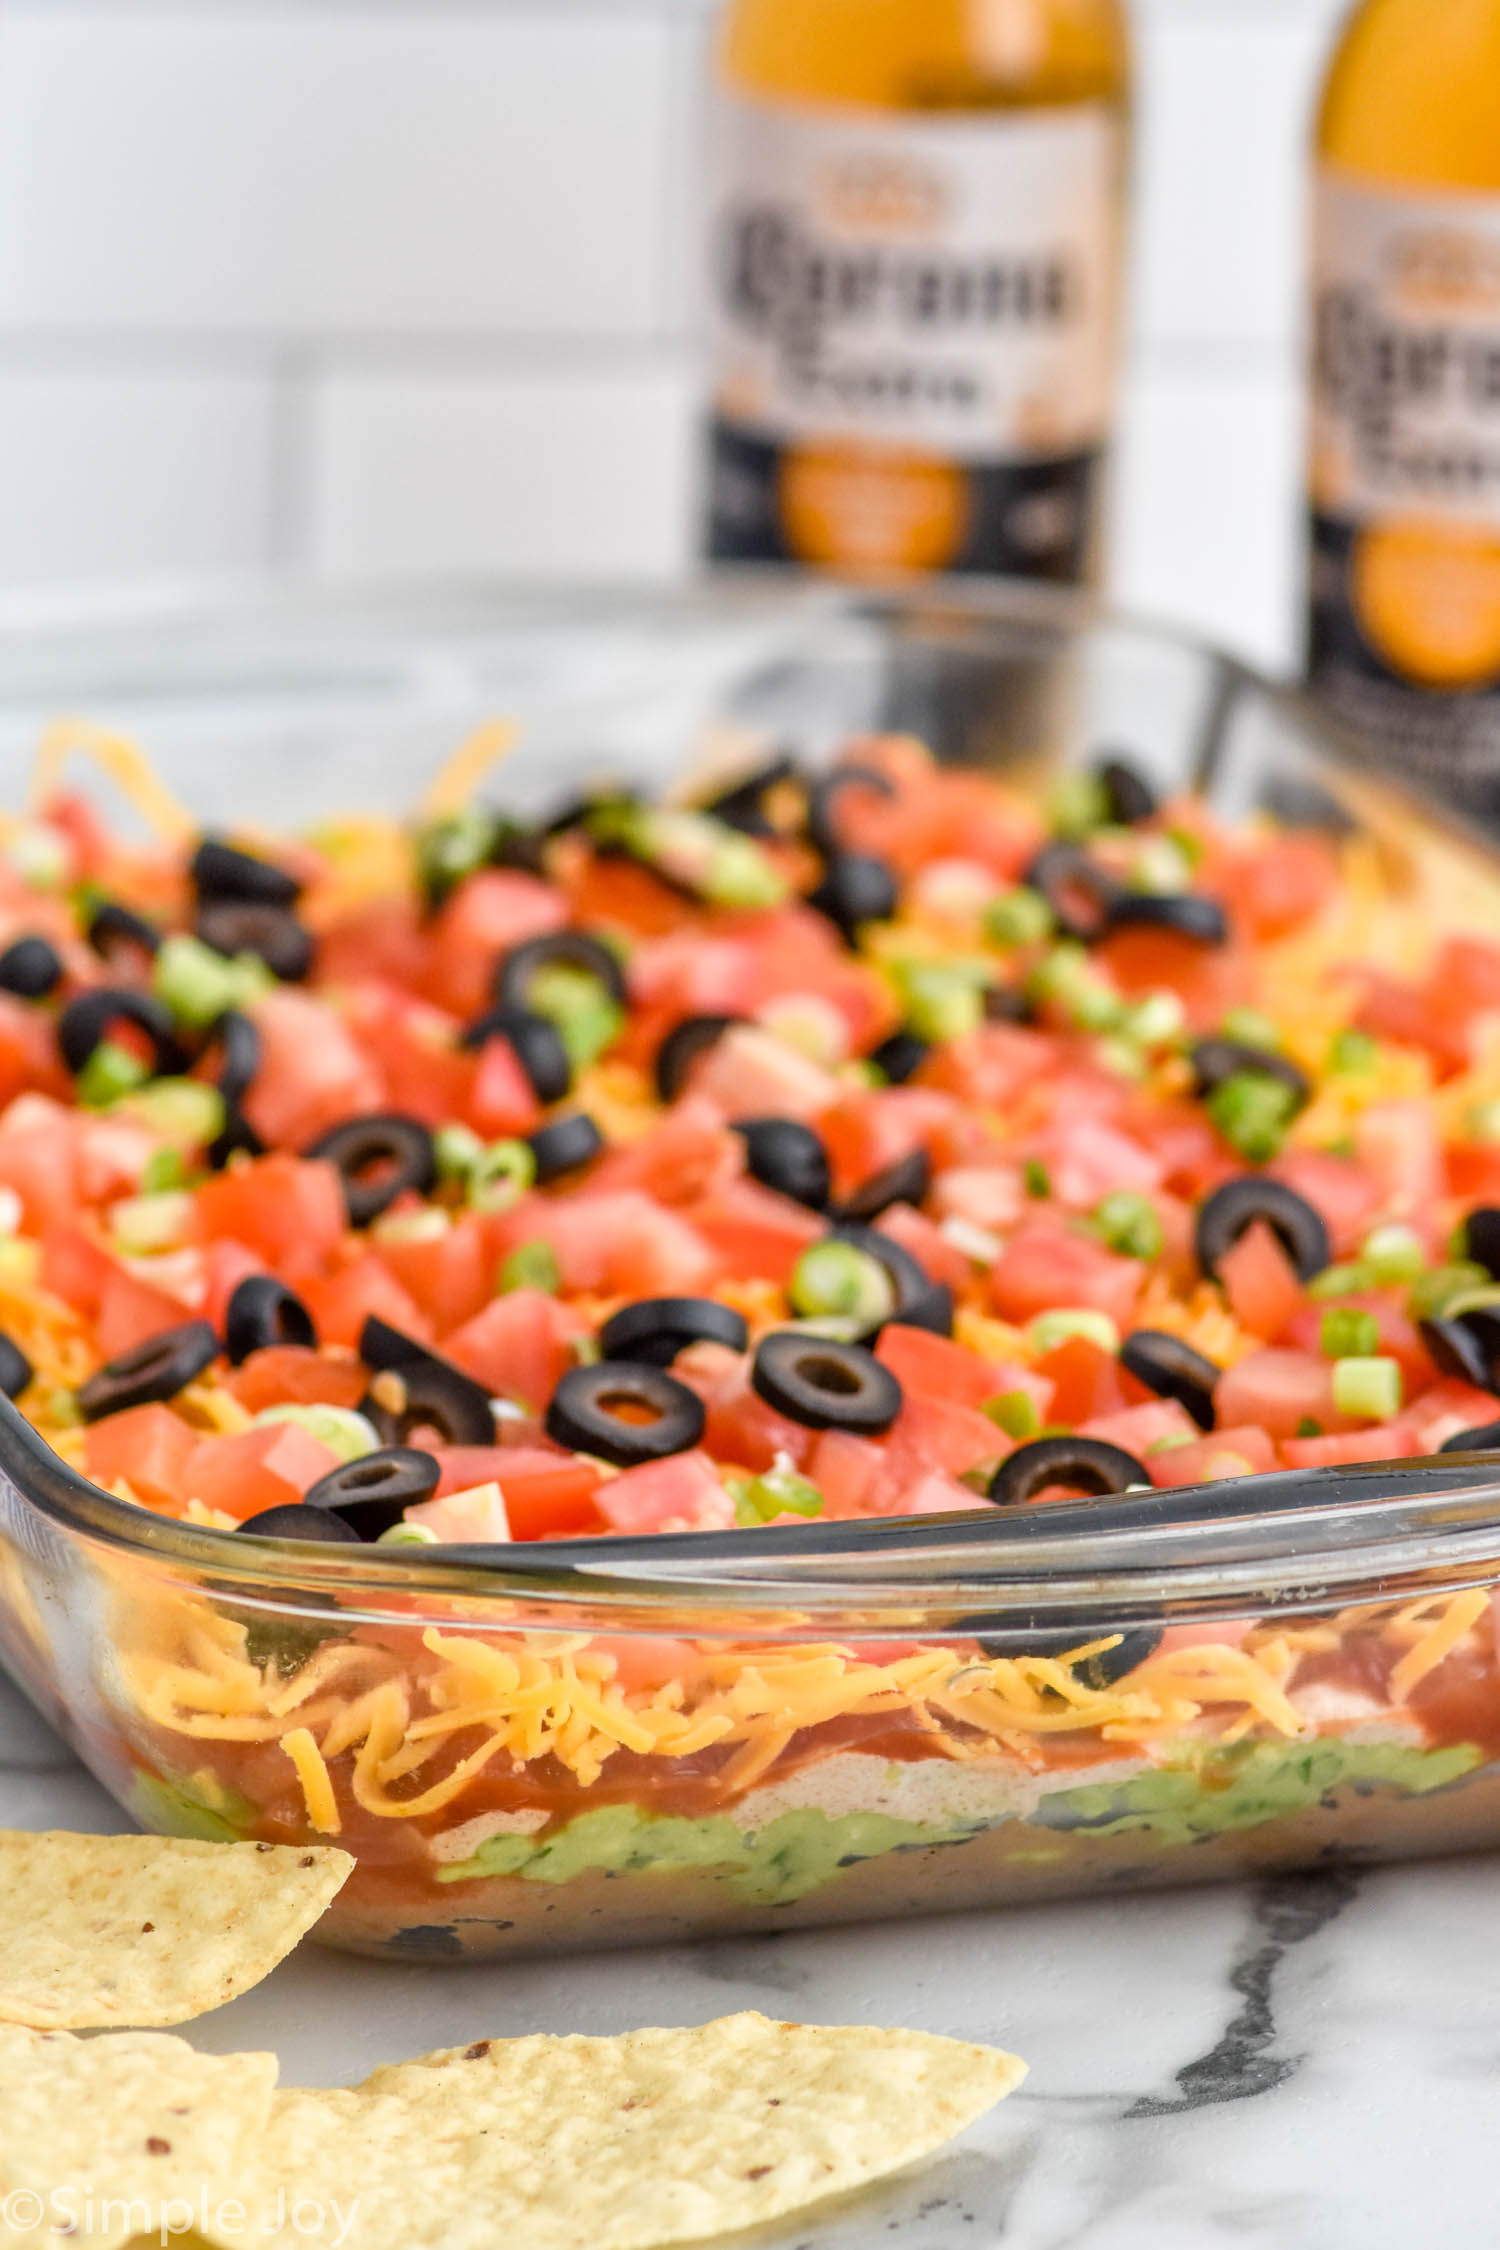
912	326
1405	473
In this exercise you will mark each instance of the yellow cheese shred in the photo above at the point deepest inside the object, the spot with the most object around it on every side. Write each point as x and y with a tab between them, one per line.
453	785
1441	1639
315	1780
126	765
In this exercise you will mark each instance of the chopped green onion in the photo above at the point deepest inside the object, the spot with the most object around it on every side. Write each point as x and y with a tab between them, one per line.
1156	1021
941	999
1066	976
164	1170
429	1222
1432	1293
1482	1122
450	849
1253	1110
531	1265
456	1150
181	1110
1172	1444
144	1224
501	1175
836	1280
1393	1253
1078	804
1038	1179
587	1019
20	1259
39	856
1484	1298
110	1071
1248	1027
1190	846
1367	1390
1016	1413
1049	1329
695	850
343	1431
1347	1333
1340	1281
197	984
1353	1054
1123	1058
1308	1427
1160	866
406	1534
1129	1224
1018	917
777	1491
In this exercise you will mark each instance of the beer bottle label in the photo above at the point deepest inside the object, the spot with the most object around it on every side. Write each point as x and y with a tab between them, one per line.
913	329
1405	477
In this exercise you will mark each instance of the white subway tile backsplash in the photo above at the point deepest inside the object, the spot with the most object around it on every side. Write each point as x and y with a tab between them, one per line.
557	473
129	473
328	172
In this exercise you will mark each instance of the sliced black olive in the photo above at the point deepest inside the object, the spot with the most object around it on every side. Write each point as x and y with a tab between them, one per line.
624	1413
381	1345
238	1043
239	1138
220	870
920	1302
905	1181
1130	796
1082	1464
823	804
1482	1239
87	1021
1007	1003
743	805
15	1368
153	1371
422	1393
562	949
825	1385
1172	1369
566	1145
262	1311
1026	1634
31	968
377	1158
536	1043
787	1156
1467	1348
374	1492
900	1057
1215	1060
112	924
1234	1208
684	1043
855	889
1083	896
1486	1439
1185	914
653	1331
293	1519
232	926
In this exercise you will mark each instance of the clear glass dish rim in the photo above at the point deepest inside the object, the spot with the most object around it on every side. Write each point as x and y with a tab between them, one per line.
1421	1527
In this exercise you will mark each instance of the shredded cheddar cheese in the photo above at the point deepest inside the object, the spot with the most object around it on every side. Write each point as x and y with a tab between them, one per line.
459	776
126	765
313	1775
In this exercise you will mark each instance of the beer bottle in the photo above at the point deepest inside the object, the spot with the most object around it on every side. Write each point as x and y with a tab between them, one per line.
1404	637
916	225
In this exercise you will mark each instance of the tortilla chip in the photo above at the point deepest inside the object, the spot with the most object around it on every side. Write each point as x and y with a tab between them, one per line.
97	1931
104	2139
662	2136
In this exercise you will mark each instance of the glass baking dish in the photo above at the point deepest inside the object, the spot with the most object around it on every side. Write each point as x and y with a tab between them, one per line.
595	1742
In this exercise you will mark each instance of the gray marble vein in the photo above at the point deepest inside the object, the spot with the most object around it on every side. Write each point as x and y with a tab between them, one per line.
1306	2063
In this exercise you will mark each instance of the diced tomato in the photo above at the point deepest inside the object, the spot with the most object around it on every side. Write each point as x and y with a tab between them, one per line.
1345	1197
1473	1171
475	1516
689	1153
864	1133
486	916
625	1245
1406	1014
1226	1453
1193	1158
749	1073
1445	1409
1388	1441
1138	1428
854	1475
741	1427
1397	1338
1085	1379
1087	1159
1207	979
262	1467
936	1366
754	1233
28	1051
282	1206
383	939
991	1066
938	1495
341	1302
1270	888
1397	1145
519	1346
448	1275
1277	1390
1215	1633
415	1048
501	1102
1467	972
548	1495
311	1073
942	1433
914	1232
41	1163
226	1263
296	1375
149	1446
130	1311
1044	1269
1261	1282
75	1267
992	1196
680	1494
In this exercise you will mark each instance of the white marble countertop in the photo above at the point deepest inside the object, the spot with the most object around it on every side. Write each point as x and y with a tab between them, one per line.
1308	2063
